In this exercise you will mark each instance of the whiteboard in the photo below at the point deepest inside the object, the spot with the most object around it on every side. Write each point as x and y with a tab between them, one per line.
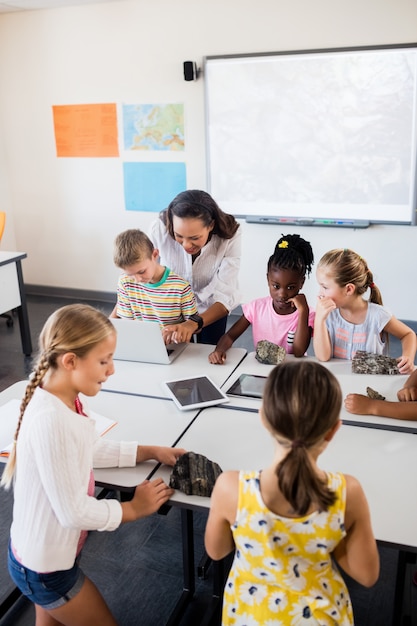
323	136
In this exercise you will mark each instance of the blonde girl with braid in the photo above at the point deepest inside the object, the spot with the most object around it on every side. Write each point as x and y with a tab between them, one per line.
347	322
290	523
51	468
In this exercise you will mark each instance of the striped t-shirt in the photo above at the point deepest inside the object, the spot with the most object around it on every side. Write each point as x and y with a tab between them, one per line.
168	301
347	338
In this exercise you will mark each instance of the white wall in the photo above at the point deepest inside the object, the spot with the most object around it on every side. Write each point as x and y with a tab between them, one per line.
65	213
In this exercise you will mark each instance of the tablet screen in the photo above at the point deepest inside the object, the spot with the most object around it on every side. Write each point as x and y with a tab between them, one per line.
248	385
195	392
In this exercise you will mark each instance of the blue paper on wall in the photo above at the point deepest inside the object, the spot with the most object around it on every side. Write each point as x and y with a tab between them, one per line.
152	186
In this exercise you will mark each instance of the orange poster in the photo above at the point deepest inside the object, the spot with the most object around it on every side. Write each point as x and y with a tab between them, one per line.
86	130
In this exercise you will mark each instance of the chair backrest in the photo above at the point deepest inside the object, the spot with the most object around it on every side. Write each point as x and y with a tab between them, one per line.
2	223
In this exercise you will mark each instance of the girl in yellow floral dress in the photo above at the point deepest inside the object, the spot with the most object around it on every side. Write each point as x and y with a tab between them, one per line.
289	523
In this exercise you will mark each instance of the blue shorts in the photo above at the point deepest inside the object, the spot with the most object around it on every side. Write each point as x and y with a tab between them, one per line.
49	591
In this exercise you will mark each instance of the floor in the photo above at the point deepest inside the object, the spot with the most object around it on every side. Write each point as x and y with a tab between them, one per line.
138	567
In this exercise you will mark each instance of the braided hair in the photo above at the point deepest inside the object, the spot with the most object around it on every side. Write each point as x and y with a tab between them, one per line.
292	252
76	328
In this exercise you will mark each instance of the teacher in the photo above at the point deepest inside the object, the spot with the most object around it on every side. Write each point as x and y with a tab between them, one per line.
201	243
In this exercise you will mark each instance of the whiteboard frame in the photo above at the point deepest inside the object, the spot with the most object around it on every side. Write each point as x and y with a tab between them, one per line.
316	220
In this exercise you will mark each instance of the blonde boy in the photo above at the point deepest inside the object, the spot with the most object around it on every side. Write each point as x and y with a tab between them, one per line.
146	289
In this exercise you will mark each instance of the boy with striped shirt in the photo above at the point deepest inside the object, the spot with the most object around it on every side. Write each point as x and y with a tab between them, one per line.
146	289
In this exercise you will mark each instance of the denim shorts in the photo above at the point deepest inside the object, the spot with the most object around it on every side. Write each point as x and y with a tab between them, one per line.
49	591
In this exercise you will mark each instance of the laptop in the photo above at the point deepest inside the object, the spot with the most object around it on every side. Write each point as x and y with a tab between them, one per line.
143	342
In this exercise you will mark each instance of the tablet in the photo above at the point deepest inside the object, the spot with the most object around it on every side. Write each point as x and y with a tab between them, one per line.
195	392
248	385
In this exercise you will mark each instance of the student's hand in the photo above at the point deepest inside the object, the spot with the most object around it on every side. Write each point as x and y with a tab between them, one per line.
407	394
358	404
168	456
405	365
217	357
163	454
148	498
299	301
179	333
323	308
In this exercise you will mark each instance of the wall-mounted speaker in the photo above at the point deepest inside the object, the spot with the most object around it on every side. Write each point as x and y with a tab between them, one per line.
191	72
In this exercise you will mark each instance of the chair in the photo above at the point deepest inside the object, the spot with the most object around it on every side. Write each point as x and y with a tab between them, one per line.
9	318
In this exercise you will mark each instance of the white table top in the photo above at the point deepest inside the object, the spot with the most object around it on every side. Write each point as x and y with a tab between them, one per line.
148	378
10	257
14	391
149	421
384	462
349	382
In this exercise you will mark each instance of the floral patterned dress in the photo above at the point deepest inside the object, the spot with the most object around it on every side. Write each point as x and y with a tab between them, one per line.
282	573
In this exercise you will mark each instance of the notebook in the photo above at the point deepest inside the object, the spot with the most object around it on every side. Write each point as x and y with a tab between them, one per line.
143	342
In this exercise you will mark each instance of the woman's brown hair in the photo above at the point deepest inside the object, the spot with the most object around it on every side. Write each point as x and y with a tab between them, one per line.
197	204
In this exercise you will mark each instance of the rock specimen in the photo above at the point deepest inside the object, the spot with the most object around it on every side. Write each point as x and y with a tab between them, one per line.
194	474
269	353
369	363
374	395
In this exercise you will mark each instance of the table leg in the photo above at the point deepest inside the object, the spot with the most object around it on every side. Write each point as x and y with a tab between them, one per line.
22	312
188	591
404	558
203	566
9	601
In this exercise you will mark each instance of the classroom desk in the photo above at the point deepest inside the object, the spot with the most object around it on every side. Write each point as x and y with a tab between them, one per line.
14	391
232	436
149	421
236	439
349	382
145	379
385	463
12	294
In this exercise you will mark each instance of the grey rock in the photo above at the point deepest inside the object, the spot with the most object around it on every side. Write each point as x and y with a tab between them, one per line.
269	353
374	395
194	474
369	363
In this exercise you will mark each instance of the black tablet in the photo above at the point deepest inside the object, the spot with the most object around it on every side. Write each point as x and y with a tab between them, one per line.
248	385
195	392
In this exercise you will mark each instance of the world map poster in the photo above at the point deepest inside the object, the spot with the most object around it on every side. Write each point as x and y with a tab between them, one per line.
153	126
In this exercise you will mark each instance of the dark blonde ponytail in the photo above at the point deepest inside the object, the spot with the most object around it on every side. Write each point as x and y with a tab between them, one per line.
300	484
301	403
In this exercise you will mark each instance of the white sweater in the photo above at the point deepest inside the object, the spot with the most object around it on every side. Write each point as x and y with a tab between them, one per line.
56	450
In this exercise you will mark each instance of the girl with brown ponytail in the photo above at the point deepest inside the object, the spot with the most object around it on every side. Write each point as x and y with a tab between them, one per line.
289	522
55	450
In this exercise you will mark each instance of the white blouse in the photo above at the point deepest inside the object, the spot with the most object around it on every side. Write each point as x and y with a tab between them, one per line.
214	274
